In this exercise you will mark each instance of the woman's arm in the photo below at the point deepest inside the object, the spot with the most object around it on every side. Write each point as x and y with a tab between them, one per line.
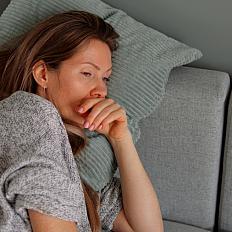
140	202
44	223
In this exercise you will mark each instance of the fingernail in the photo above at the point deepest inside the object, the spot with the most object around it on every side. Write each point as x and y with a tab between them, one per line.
86	125
92	127
100	127
80	109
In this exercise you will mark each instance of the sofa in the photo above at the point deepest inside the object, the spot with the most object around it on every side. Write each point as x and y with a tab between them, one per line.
186	153
186	149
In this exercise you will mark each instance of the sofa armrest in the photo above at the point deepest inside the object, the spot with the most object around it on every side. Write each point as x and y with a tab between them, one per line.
180	145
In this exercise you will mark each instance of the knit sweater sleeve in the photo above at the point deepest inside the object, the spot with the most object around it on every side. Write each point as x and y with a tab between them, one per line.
38	170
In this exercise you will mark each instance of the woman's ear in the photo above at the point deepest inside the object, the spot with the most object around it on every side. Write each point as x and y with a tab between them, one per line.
39	72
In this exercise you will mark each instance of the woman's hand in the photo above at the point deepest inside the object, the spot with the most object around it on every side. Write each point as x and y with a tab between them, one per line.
106	117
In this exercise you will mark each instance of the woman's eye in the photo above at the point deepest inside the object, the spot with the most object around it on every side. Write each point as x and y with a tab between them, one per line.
106	79
87	74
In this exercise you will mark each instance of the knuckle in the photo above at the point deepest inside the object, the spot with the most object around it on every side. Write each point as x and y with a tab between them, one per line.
107	110
122	110
97	123
117	105
103	123
110	100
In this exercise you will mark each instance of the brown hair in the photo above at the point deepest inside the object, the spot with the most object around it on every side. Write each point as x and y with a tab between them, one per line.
17	58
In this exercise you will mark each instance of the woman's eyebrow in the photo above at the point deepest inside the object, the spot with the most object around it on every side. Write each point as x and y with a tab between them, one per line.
97	67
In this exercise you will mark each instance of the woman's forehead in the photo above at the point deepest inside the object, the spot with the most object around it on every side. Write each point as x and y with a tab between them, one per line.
96	54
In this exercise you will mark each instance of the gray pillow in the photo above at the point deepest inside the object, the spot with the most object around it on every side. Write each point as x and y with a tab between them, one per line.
141	68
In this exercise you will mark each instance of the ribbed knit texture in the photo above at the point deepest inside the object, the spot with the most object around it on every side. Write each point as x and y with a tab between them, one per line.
141	67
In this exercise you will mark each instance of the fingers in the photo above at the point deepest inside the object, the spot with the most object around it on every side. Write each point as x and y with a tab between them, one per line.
95	118
104	106
103	111
89	103
118	115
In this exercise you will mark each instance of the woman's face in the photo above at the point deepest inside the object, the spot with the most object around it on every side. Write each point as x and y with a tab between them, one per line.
82	76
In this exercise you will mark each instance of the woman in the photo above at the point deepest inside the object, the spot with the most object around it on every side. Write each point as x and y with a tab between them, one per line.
53	83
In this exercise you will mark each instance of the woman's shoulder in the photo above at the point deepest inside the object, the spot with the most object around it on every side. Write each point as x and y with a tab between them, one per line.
31	129
28	111
22	100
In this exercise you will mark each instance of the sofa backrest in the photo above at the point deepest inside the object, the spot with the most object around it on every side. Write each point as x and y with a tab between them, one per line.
180	145
225	209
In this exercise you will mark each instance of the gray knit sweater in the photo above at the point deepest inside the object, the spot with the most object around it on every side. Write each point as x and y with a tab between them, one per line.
38	170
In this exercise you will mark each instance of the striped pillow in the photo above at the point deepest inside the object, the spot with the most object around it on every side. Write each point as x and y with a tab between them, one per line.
141	68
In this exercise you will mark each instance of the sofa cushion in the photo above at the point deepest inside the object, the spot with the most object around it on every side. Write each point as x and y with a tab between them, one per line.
225	210
180	145
179	227
141	68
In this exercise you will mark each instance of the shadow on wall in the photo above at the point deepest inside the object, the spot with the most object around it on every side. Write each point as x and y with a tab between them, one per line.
3	5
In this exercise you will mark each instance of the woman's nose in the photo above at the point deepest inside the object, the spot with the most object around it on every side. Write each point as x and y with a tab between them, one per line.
100	90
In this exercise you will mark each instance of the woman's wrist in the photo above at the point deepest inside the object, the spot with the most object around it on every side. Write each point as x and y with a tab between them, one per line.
123	147
122	140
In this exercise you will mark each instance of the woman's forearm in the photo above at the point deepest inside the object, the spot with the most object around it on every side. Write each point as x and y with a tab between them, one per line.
140	202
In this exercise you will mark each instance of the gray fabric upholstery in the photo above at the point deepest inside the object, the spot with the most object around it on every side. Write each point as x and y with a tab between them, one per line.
225	215
178	227
180	145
